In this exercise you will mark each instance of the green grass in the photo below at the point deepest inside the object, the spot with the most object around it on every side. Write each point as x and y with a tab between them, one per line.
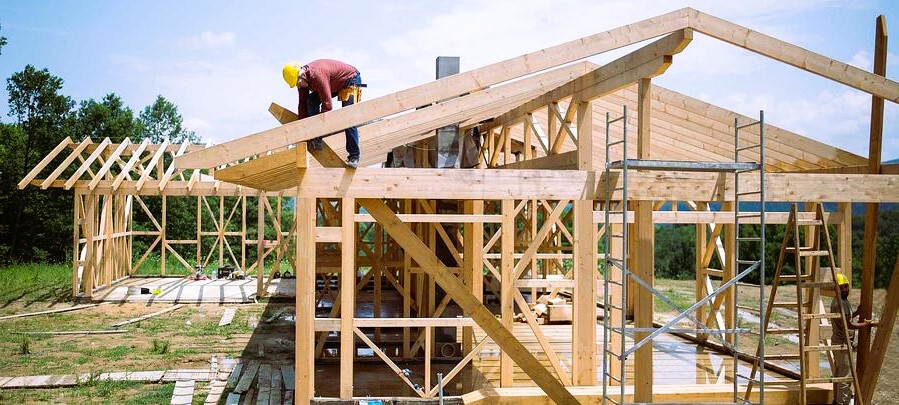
33	283
95	392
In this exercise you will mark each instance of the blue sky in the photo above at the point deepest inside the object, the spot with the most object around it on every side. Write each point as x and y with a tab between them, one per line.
220	61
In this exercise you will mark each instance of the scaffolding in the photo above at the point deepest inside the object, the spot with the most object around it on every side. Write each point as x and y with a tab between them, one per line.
617	276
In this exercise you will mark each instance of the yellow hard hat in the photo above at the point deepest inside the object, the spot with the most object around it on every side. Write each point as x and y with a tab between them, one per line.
841	279
291	73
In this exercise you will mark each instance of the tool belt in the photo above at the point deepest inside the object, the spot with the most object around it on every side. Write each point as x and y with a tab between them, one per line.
355	91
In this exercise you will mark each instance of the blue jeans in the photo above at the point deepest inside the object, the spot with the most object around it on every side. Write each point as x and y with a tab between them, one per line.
313	107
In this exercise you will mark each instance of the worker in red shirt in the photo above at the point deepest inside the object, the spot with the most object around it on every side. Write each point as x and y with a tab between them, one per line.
319	81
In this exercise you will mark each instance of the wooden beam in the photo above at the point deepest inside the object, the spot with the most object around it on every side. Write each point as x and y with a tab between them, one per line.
644	253
648	61
305	299
44	162
448	87
882	339
255	172
468	302
793	55
347	296
583	343
87	164
869	246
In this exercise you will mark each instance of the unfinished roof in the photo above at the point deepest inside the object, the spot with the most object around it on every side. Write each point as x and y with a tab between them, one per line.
684	128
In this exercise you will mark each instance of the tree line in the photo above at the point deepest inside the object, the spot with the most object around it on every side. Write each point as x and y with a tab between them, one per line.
36	225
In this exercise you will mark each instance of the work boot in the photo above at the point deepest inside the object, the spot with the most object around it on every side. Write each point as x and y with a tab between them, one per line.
315	144
352	161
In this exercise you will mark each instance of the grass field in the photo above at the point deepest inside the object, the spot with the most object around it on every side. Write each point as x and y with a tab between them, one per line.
185	339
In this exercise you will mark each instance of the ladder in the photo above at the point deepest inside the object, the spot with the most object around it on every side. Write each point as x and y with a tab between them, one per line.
809	278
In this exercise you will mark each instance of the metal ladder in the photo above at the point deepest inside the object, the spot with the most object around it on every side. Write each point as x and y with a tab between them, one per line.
808	280
616	274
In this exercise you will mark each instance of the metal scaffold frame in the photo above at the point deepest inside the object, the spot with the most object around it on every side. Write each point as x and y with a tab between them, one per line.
617	325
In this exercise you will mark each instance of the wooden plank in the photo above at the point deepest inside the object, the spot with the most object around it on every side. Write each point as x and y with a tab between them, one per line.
148	316
249	375
216	390
233	399
583	343
264	384
275	398
227	316
51	311
497	184
448	87
44	162
288	375
75	332
454	287
235	376
148	169
437	218
793	55
719	217
492	184
183	393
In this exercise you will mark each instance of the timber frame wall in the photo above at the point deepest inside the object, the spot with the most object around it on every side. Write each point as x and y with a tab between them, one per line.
555	180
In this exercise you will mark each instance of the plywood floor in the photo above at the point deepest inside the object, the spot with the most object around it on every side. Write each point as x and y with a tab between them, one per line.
182	290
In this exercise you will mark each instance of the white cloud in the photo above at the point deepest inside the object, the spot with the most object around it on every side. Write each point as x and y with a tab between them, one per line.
208	40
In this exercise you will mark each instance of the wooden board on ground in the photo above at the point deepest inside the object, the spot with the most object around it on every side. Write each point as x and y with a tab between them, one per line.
51	311
264	384
216	390
248	376
287	375
227	316
148	316
276	386
233	399
235	375
183	393
75	332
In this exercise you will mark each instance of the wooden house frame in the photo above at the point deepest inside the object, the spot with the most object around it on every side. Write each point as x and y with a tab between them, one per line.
552	117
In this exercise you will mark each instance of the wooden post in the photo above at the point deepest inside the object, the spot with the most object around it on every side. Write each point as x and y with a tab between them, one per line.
882	338
347	296
260	243
507	303
162	237
730	248
199	230
87	273
699	287
305	299
473	272
617	312
76	252
644	252
407	289
844	239
583	343
869	257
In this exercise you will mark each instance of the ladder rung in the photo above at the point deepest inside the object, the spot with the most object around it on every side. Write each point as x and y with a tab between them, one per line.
817	284
781	332
752	215
782	356
772	381
612	377
749	193
615	282
616	142
826	348
818	380
750	146
749	238
810	222
746	261
794	277
785	304
829	315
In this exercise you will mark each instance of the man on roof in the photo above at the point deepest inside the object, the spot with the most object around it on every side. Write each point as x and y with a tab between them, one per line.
317	83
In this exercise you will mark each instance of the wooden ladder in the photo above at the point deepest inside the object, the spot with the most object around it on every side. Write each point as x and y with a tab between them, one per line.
809	279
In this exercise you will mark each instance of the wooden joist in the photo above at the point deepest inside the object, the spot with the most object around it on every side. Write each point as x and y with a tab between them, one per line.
148	316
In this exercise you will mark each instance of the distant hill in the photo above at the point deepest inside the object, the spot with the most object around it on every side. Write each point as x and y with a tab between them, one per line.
896	160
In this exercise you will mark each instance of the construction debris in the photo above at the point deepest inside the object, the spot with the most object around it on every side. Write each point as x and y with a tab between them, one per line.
138	319
227	316
53	311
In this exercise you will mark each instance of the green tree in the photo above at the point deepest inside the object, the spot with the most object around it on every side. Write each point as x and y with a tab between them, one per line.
161	120
2	43
108	118
33	224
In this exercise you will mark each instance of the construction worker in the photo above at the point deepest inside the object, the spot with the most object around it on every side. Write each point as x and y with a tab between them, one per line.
842	391
319	81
